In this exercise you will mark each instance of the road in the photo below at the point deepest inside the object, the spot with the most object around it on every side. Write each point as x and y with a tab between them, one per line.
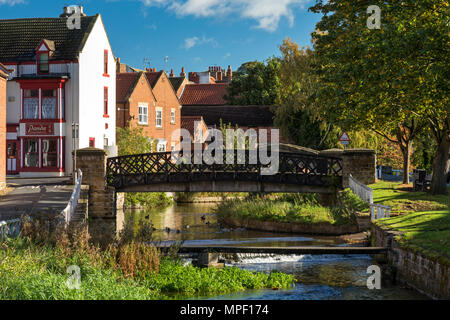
34	197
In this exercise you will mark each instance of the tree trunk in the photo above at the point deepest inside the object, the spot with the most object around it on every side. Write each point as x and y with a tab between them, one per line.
440	167
406	153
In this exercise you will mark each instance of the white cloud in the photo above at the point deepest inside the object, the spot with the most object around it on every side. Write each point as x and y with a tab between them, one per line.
196	41
12	2
267	13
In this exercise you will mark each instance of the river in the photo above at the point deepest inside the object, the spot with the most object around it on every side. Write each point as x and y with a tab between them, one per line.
319	277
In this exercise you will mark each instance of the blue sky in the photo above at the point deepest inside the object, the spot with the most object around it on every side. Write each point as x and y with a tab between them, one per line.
191	33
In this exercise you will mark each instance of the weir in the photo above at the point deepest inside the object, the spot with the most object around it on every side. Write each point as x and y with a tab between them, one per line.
209	256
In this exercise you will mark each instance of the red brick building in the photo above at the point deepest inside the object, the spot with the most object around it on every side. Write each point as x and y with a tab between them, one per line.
148	100
3	78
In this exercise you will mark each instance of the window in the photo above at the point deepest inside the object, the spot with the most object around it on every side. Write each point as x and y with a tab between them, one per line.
172	146
49	103
105	63
49	153
31	153
161	146
159	116
43	62
172	116
31	104
91	142
105	101
143	114
105	141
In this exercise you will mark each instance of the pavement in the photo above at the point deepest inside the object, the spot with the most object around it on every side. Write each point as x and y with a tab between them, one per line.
34	196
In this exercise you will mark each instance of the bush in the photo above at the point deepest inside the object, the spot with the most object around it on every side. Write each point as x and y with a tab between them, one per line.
299	208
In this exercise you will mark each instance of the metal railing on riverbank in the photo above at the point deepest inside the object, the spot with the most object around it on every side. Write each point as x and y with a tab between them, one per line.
68	212
377	211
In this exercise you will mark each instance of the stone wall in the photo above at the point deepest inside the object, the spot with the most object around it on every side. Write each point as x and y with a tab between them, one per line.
92	162
360	163
429	276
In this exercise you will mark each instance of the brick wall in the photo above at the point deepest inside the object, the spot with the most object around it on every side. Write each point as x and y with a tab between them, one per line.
2	132
360	163
167	99
161	96
92	162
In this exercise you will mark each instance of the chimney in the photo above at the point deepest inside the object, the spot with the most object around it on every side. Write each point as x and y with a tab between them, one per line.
70	10
229	74
193	77
182	74
171	73
219	75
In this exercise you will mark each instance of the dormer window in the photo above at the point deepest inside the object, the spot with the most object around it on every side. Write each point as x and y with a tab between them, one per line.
43	66
43	52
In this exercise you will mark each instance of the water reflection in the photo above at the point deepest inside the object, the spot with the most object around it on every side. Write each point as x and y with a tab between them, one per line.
320	277
196	225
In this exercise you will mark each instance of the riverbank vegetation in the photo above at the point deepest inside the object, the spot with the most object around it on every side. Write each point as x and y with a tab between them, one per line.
146	200
298	208
423	219
34	266
193	196
132	140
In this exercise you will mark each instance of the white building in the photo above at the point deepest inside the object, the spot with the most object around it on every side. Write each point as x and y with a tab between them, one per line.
60	76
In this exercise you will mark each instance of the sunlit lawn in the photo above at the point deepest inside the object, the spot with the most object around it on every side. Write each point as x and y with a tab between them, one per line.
424	219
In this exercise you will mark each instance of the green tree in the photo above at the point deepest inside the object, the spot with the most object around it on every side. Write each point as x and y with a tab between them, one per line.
297	115
255	83
133	141
393	80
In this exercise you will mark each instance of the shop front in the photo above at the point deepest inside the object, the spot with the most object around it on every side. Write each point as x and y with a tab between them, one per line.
40	148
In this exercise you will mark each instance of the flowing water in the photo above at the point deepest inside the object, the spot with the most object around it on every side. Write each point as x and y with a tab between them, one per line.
319	277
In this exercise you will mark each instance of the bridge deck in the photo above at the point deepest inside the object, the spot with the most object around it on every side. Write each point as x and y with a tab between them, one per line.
282	250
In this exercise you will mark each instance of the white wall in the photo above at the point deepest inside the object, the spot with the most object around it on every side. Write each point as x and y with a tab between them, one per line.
92	83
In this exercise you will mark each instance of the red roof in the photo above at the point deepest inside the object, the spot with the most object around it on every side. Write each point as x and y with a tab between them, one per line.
153	77
125	83
204	94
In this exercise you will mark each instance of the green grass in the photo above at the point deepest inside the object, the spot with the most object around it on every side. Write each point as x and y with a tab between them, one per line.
298	208
29	271
190	196
147	199
424	219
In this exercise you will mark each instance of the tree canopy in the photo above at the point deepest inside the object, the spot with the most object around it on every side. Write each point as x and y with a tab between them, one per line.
393	79
255	83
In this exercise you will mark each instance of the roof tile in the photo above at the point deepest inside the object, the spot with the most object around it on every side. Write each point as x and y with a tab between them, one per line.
204	94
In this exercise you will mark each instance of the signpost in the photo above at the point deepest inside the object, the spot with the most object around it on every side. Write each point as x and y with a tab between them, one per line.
344	139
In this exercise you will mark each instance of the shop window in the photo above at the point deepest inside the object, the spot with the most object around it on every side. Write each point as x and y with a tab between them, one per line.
31	104
49	153
31	149
49	104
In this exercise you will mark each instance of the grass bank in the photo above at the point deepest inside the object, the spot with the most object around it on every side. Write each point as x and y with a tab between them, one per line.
147	199
424	219
192	196
298	208
35	267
